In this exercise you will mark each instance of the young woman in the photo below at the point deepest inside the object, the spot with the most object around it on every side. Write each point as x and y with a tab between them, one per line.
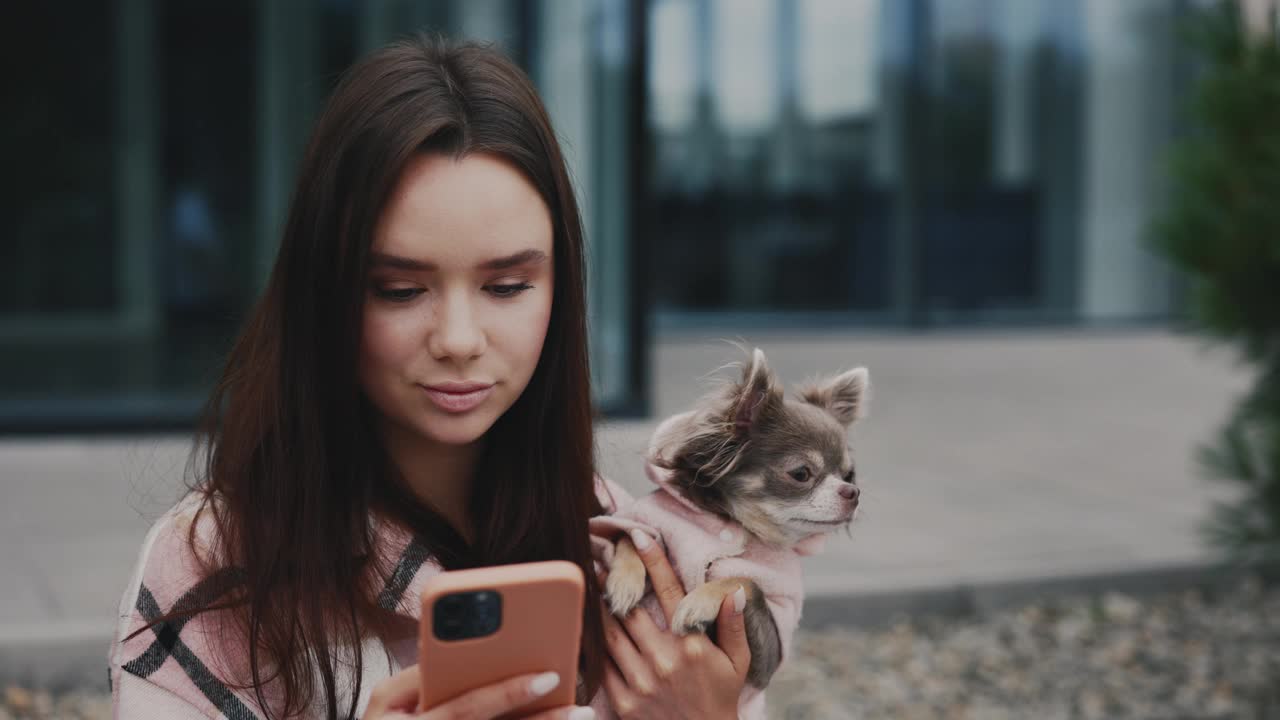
410	395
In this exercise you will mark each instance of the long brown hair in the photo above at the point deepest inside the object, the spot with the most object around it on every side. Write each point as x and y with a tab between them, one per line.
286	457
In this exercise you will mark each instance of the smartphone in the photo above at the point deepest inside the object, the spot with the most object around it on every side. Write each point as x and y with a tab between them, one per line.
482	626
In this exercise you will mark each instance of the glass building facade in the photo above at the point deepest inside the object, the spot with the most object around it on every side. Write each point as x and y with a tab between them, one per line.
834	163
909	162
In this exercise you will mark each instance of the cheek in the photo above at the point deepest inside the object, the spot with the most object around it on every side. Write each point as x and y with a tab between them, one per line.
523	334
386	341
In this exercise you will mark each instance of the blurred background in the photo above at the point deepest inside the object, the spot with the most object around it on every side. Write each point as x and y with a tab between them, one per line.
1011	211
838	164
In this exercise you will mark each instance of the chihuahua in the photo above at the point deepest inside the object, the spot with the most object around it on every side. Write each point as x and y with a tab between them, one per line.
749	480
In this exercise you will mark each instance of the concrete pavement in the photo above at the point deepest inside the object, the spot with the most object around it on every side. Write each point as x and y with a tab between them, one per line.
990	459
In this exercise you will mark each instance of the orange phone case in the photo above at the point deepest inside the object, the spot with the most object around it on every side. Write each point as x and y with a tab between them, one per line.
540	630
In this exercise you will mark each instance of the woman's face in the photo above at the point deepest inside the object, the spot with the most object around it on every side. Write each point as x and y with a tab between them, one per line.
459	297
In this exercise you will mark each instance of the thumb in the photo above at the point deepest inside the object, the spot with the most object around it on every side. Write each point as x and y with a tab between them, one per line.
731	631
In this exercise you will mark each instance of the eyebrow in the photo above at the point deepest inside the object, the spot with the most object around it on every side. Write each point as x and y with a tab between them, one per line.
524	257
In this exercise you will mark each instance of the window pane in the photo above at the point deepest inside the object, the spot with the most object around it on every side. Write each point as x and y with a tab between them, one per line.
763	176
59	227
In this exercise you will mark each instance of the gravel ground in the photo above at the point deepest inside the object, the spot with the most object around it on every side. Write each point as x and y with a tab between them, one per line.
1167	656
1177	656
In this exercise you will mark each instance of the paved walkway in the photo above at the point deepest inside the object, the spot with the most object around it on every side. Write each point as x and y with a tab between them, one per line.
987	458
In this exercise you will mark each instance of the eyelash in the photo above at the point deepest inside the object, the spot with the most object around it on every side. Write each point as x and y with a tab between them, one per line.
501	292
509	291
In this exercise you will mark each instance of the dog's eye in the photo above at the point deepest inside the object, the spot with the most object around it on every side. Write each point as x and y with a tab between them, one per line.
849	476
800	474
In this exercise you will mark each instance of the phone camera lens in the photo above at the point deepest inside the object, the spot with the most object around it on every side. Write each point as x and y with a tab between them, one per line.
467	615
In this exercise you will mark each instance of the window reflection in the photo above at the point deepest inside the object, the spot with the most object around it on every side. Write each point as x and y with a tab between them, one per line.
762	123
919	162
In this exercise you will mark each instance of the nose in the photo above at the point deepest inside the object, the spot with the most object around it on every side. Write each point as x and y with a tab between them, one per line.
849	491
457	334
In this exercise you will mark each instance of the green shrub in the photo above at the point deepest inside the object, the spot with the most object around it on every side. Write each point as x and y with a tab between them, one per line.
1222	229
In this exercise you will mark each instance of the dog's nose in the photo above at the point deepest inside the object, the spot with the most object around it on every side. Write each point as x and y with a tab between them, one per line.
849	490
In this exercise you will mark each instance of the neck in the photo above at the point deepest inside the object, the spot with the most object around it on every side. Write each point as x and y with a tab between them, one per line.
439	475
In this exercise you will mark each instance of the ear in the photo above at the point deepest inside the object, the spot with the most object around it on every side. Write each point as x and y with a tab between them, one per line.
753	394
844	396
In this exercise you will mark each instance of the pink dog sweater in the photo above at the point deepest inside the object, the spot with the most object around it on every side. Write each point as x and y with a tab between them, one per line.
702	546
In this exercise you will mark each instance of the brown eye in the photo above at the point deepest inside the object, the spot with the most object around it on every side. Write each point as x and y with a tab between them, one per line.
849	476
800	474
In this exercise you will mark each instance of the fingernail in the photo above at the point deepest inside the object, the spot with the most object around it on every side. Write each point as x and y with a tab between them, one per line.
739	600
582	713
544	683
641	539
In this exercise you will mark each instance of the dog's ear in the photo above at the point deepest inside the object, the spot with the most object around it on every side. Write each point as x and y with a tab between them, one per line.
757	391
706	444
844	396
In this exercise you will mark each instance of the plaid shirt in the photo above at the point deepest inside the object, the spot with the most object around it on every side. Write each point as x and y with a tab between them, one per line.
178	670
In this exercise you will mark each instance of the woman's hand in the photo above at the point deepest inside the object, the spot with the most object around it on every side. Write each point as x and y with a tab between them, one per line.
396	698
657	674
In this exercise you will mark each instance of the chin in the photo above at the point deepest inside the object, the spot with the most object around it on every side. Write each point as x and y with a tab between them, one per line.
454	430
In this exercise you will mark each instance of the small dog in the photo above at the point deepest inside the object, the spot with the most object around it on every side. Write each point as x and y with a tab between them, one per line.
749	480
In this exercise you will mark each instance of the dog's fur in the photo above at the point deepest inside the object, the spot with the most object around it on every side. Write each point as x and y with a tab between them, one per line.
741	455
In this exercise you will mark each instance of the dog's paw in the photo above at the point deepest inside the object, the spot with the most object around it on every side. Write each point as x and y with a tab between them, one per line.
623	589
698	610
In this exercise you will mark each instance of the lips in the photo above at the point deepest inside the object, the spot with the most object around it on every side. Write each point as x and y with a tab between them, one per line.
458	397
